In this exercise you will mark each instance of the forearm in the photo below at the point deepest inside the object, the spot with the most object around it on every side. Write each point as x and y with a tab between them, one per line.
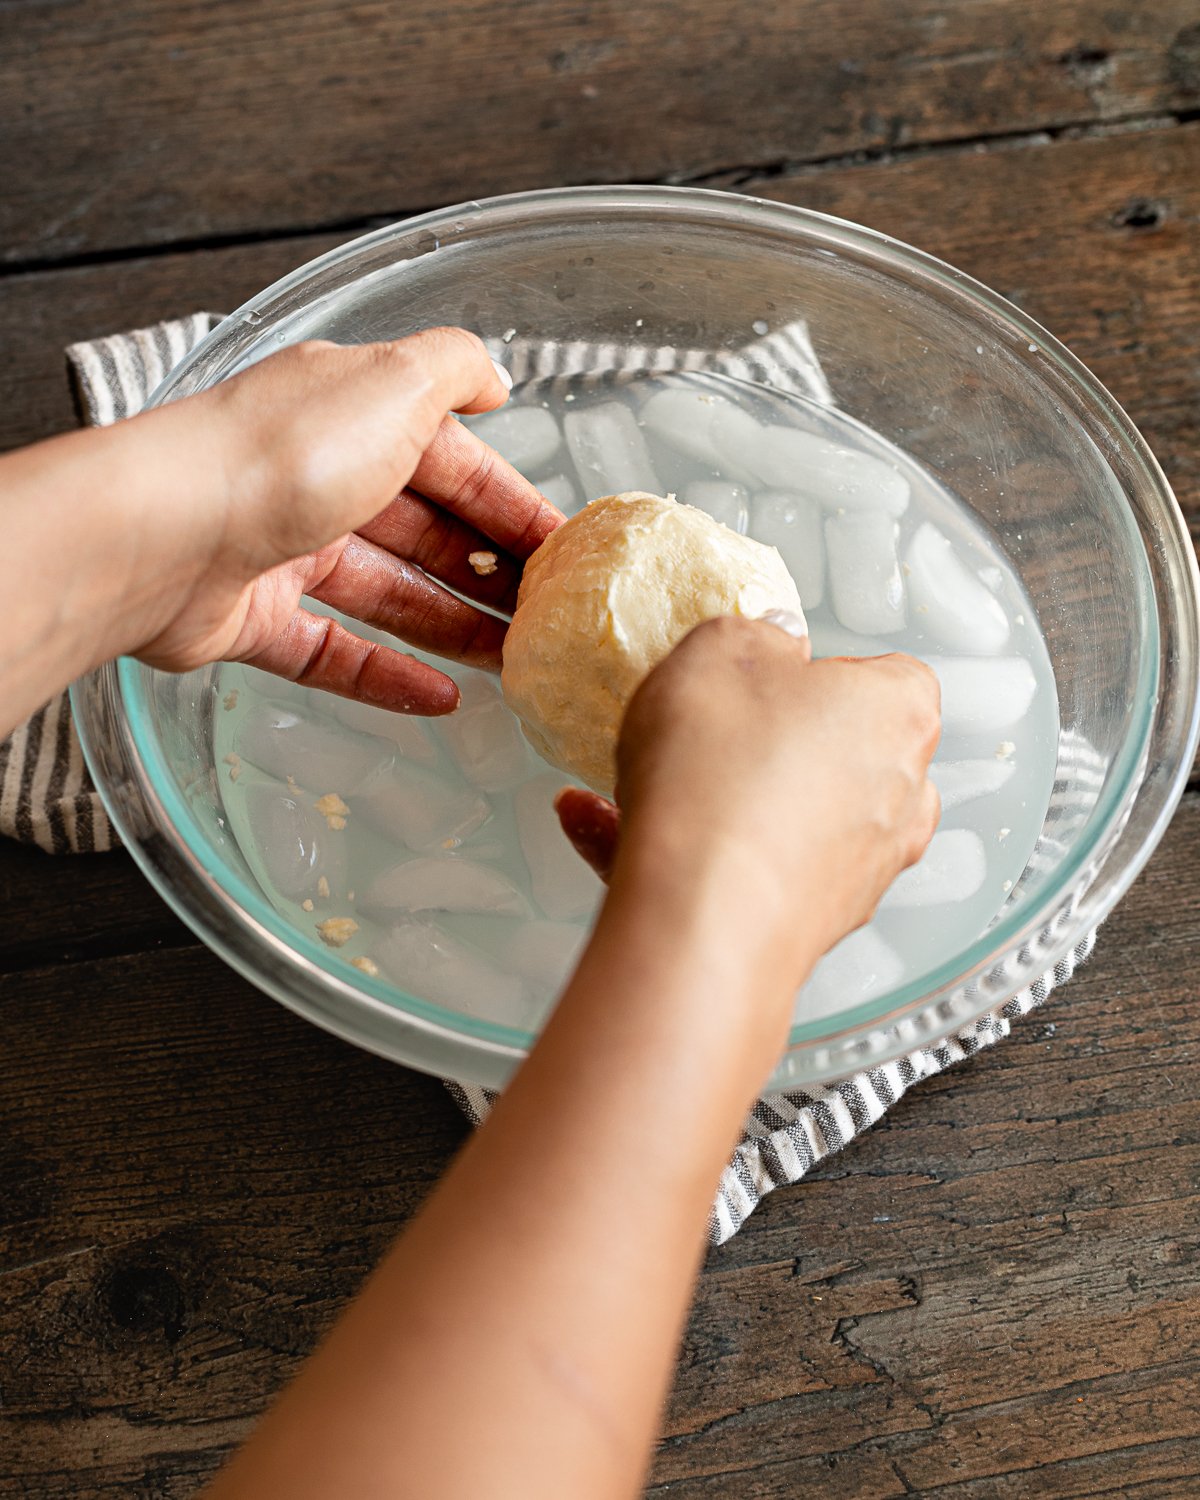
520	1338
94	554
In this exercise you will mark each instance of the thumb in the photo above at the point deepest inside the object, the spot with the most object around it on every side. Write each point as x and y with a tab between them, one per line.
593	825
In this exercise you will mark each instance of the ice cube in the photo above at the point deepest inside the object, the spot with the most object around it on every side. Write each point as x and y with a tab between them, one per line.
864	572
861	967
421	956
443	882
983	694
407	733
609	451
563	885
960	781
426	811
703	426
544	954
953	868
840	478
832	640
319	756
955	607
727	503
292	847
527	436
485	738
787	521
561	493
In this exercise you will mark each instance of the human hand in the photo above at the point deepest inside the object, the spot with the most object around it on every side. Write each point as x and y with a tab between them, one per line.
802	785
336	472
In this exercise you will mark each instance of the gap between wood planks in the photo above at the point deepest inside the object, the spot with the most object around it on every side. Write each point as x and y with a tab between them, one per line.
729	177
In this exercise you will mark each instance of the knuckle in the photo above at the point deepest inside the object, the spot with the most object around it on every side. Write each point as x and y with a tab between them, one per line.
476	477
443	340
308	359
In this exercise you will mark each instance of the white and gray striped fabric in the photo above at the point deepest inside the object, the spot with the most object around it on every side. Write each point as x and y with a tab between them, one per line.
47	799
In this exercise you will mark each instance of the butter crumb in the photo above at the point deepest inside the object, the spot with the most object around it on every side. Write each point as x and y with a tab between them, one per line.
333	810
367	965
337	931
307	903
1005	749
229	701
323	888
484	563
234	761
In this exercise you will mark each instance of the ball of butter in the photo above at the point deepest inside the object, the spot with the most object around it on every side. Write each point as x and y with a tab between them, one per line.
604	599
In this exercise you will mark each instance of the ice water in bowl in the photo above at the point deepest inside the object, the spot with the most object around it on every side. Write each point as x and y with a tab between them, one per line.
427	851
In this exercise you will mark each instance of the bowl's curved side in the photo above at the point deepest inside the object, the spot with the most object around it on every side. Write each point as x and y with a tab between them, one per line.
1014	955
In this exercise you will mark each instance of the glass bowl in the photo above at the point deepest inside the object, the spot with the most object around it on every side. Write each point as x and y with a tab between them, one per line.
1000	412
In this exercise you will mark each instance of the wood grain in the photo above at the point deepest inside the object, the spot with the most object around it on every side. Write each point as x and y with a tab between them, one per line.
130	124
994	1293
195	1181
61	910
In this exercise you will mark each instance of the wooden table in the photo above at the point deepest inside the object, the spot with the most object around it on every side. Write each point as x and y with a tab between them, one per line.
996	1293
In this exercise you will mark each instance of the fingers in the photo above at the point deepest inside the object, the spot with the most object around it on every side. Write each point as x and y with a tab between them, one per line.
462	473
318	652
592	824
318	438
372	584
417	529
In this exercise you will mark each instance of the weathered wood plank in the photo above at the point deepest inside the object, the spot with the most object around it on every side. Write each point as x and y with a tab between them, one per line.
156	121
995	1293
62	910
194	1182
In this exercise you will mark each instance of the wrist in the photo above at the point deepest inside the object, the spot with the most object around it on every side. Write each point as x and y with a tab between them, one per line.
720	935
66	518
774	915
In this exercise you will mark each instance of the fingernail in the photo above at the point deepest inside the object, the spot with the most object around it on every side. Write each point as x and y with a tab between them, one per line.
788	621
505	377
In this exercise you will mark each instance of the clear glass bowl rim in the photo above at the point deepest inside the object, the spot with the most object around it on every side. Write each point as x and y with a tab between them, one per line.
238	923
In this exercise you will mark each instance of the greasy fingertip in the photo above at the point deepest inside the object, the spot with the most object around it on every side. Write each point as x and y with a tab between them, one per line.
437	695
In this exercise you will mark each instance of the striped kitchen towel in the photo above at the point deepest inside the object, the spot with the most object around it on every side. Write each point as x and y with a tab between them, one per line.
46	797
